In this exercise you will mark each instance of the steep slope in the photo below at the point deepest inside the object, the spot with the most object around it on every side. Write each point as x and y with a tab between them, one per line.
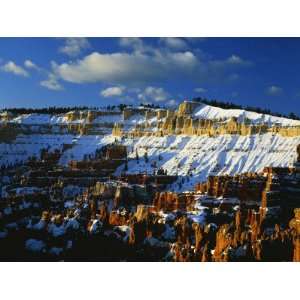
200	156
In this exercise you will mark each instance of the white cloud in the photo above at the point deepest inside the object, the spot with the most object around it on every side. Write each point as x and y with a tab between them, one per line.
148	94
74	46
112	91
11	67
172	103
199	90
153	94
274	90
137	45
132	42
30	65
127	67
52	83
144	65
174	43
234	59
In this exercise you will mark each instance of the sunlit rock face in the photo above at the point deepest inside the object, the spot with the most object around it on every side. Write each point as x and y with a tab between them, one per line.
195	118
190	118
187	108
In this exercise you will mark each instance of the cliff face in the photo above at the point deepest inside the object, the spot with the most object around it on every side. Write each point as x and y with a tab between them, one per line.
247	187
187	108
272	189
186	125
186	122
167	201
191	118
88	116
87	122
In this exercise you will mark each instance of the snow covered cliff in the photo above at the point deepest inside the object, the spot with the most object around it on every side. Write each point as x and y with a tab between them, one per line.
196	155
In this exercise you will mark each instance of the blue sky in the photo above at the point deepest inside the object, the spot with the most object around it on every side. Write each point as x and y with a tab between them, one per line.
39	72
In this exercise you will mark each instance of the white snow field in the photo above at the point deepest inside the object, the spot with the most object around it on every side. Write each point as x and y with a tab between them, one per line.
85	144
201	156
204	111
44	119
28	145
38	119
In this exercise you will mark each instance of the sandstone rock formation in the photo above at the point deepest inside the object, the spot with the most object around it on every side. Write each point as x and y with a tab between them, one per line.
182	121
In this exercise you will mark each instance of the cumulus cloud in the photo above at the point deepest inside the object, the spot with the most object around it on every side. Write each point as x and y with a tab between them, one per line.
274	90
142	64
230	63
234	59
132	42
127	67
113	91
174	43
51	83
153	94
149	94
30	65
199	90
13	68
74	46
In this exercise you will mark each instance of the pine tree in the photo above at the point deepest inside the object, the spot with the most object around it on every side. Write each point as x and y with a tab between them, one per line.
137	155
146	157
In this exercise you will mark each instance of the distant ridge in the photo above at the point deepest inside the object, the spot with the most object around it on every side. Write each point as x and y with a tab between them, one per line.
230	105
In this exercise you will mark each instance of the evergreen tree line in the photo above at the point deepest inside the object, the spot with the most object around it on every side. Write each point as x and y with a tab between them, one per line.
44	110
63	110
121	107
59	110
